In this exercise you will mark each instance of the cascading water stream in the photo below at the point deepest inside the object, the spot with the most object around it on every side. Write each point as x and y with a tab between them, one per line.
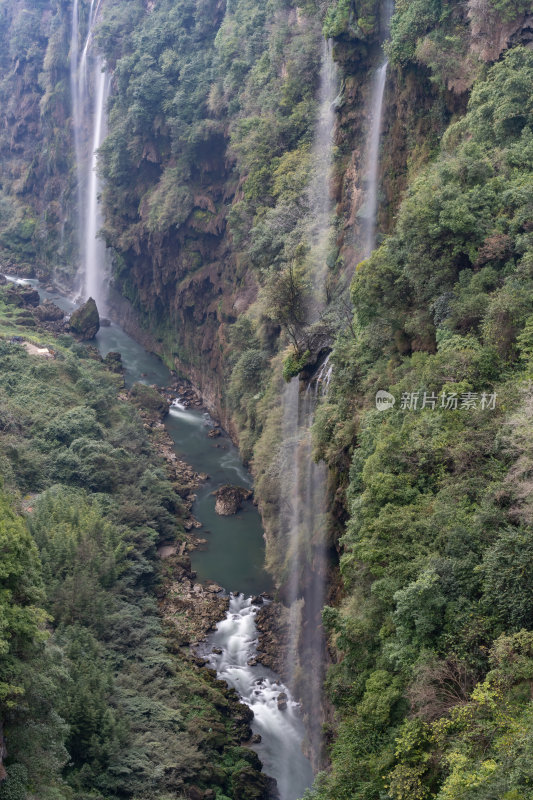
94	248
303	505
77	103
276	714
89	90
303	485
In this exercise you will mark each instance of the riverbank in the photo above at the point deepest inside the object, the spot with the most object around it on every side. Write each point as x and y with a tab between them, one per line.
86	512
228	551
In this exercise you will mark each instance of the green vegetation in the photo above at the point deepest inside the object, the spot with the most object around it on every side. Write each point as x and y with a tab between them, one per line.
432	684
97	700
208	162
207	166
450	39
35	181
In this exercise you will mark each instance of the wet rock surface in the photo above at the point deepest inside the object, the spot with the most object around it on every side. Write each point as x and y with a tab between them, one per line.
193	610
113	361
273	627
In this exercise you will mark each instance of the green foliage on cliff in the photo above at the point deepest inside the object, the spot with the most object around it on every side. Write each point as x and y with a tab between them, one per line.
34	177
434	633
451	39
208	165
357	20
96	700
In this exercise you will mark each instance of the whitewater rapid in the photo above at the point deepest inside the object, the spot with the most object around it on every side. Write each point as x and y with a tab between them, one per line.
277	720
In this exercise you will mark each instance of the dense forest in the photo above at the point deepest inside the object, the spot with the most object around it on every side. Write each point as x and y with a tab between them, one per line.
207	216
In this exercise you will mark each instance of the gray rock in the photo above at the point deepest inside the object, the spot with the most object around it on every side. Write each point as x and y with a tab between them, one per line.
85	321
49	312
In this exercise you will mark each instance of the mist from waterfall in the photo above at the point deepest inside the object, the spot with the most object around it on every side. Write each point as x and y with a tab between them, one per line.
89	85
303	507
303	482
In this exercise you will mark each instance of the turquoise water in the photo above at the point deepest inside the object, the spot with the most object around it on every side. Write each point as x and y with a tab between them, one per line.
235	552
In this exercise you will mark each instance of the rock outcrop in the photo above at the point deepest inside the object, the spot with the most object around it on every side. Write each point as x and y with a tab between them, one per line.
49	312
22	296
229	499
85	321
114	362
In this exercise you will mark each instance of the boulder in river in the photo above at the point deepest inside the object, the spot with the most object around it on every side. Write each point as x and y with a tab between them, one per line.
85	321
282	701
229	499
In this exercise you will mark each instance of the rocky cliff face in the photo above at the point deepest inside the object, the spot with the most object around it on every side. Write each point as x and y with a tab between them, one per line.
207	160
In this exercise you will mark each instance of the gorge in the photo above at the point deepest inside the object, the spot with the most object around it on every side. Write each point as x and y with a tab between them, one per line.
284	208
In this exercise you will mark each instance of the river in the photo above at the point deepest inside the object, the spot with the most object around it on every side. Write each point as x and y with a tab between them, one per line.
234	558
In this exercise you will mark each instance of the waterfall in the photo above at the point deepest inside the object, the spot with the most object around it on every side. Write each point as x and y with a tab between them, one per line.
368	232
371	157
94	248
77	102
89	90
303	506
303	483
320	203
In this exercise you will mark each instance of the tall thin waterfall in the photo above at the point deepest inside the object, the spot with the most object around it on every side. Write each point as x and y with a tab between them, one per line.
77	102
303	510
89	89
368	232
371	157
93	247
303	483
320	203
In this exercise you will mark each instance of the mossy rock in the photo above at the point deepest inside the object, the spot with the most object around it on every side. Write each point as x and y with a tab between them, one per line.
85	321
113	361
21	296
149	399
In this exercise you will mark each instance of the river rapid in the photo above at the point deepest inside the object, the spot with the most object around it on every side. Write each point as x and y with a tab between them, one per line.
233	558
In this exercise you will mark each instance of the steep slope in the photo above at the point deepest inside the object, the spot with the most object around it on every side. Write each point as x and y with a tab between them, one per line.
208	166
433	635
98	696
35	161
